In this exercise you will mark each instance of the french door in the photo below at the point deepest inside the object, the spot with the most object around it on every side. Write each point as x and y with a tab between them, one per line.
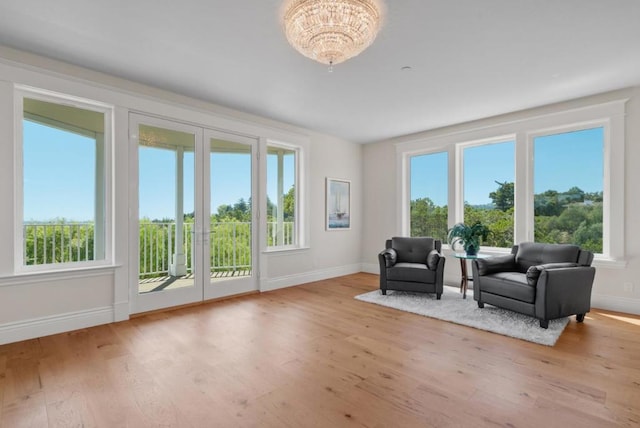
193	233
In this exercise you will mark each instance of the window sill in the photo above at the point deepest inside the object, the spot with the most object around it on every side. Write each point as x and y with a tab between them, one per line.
48	275
285	250
608	263
493	251
598	261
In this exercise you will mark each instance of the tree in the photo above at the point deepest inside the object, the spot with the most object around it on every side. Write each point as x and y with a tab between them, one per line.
547	203
289	204
499	222
575	194
427	219
503	196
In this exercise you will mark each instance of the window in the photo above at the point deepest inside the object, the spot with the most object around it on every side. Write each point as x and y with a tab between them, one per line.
489	190
64	215
428	210
555	178
282	196
568	188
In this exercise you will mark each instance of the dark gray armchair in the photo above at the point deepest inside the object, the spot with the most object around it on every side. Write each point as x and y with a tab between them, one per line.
412	264
546	281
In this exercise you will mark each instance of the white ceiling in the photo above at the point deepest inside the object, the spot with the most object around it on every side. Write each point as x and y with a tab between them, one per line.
469	59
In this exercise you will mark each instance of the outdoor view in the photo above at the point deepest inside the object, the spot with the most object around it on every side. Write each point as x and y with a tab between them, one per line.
64	183
568	190
64	205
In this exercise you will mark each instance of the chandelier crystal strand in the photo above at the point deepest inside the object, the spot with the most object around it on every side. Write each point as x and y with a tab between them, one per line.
331	31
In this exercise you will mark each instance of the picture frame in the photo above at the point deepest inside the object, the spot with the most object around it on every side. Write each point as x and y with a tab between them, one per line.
338	204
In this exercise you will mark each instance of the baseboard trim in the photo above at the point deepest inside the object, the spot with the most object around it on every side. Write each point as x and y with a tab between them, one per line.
616	304
45	326
303	278
370	268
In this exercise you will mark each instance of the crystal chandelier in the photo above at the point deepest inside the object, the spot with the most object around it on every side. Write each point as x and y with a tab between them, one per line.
331	31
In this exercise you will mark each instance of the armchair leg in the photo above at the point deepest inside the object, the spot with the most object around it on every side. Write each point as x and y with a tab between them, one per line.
580	317
544	323
384	291
480	304
438	296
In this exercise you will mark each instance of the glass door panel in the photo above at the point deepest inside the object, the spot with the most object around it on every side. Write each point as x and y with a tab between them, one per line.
168	256
195	221
231	252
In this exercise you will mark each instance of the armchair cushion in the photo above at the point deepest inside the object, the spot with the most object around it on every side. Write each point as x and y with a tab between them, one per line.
411	272
432	259
509	284
491	265
412	250
533	273
533	254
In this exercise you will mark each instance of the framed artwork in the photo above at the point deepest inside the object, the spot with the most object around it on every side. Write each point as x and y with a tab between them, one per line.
338	194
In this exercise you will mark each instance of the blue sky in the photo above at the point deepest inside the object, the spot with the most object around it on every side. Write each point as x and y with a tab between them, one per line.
561	162
56	163
56	172
230	180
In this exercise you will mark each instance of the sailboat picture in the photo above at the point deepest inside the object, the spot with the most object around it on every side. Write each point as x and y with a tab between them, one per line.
338	204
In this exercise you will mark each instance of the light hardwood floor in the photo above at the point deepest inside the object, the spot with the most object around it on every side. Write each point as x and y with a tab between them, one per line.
312	356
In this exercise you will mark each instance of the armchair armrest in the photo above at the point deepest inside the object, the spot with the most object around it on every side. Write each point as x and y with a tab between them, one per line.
491	265
389	256
563	291
433	258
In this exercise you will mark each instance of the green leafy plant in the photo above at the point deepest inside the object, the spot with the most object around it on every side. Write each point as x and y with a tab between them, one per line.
469	237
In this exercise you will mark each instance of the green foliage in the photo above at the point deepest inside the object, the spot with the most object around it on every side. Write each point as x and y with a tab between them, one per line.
230	246
503	197
58	241
578	223
572	217
289	204
427	219
500	223
240	211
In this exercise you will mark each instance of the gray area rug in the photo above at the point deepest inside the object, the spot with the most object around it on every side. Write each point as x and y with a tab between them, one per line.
452	307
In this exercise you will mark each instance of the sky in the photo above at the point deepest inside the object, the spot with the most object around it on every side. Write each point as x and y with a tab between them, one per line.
62	163
561	161
56	172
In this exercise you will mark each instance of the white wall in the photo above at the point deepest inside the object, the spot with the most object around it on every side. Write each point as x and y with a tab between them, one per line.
39	304
331	253
381	198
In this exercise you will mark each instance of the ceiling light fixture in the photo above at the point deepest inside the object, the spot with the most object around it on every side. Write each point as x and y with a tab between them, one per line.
331	31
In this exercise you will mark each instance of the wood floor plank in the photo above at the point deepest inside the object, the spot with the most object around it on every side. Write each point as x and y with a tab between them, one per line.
313	356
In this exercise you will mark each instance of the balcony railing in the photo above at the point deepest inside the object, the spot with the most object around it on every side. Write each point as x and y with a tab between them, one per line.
229	244
48	243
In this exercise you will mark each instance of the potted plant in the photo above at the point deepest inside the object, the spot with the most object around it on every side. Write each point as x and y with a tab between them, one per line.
468	236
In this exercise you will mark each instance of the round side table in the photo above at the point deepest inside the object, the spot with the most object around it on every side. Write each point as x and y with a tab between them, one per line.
463	257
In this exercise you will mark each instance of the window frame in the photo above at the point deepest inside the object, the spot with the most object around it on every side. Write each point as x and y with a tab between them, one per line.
606	179
523	128
20	93
300	226
459	201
